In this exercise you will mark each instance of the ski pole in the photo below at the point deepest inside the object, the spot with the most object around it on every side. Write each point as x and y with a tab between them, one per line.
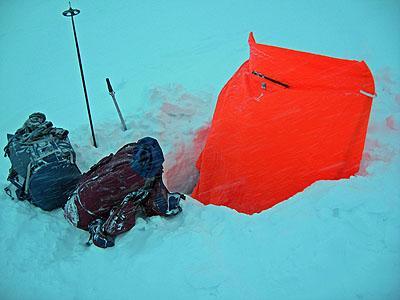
71	12
112	93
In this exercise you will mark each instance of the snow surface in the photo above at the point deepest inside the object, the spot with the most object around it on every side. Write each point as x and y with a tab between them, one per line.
167	61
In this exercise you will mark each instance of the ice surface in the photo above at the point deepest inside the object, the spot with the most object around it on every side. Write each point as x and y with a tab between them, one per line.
167	61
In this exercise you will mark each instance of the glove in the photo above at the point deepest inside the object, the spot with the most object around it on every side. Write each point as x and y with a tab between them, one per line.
98	236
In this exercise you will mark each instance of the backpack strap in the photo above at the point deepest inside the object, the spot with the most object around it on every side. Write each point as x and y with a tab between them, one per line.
22	188
161	201
97	235
123	217
28	178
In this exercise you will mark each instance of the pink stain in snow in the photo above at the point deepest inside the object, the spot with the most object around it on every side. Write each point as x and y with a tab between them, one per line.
374	152
391	123
182	174
397	99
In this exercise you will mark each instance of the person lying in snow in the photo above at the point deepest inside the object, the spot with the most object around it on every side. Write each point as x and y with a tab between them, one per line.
118	188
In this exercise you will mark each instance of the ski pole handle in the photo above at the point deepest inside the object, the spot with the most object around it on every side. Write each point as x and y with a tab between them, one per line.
110	89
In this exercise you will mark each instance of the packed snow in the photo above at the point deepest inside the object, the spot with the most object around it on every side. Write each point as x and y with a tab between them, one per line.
167	62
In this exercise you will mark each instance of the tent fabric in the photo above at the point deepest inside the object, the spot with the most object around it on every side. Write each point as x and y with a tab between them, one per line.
283	121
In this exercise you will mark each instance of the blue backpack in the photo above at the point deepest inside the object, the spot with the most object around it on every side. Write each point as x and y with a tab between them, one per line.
43	168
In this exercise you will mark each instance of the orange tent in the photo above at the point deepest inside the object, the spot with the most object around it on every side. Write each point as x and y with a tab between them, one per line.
283	121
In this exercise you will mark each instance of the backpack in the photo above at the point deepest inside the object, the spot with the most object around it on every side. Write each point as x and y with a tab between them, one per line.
107	191
43	163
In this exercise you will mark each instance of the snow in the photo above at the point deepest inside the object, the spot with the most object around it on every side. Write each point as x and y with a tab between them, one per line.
167	62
